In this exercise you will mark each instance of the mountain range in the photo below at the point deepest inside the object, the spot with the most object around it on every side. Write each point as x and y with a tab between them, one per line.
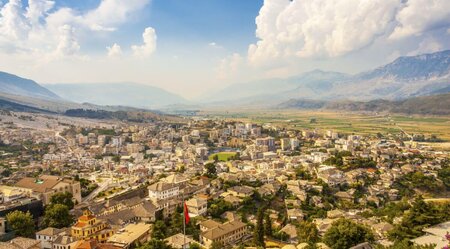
25	94
127	94
12	84
407	76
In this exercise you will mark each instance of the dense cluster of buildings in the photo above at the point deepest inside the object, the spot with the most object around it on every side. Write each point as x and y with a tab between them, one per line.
124	177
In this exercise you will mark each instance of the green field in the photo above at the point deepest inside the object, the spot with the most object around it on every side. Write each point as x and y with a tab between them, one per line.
344	122
223	156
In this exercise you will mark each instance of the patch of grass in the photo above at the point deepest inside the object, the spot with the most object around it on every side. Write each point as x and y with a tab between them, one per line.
223	156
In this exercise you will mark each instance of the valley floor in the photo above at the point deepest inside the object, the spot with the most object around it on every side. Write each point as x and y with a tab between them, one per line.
346	122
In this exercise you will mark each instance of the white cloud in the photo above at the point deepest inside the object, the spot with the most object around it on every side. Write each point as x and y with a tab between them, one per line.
419	16
427	46
149	46
114	50
331	28
67	44
112	12
37	10
214	45
13	24
41	30
315	28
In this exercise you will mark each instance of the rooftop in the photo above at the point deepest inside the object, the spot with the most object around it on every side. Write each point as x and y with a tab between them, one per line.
129	234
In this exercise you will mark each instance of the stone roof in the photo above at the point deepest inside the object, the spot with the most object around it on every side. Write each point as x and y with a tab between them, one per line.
223	229
161	186
242	189
290	230
37	185
232	199
64	240
178	240
145	210
20	243
210	224
195	202
50	231
174	179
119	218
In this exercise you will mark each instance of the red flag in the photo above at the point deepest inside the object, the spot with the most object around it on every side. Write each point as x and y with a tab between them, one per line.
186	214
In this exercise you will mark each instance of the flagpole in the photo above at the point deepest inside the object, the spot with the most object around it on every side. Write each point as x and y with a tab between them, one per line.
184	222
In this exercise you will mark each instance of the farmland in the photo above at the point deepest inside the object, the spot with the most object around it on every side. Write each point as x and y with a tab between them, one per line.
347	123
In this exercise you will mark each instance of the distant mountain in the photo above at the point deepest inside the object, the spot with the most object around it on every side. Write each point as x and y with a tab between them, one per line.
405	77
429	105
124	94
315	80
14	106
408	68
12	84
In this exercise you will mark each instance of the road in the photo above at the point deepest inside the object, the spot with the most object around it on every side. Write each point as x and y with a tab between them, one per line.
57	135
101	187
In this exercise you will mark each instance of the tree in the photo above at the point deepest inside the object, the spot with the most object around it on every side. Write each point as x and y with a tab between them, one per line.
218	206
216	245
267	225
307	232
62	198
116	158
6	172
176	224
193	229
194	246
155	244
259	229
159	230
58	216
280	235
345	233
211	171
420	215
444	174
21	223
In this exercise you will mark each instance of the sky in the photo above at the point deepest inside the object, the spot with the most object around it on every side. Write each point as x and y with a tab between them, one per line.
191	47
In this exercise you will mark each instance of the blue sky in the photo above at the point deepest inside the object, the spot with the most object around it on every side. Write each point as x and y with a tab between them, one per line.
198	22
194	46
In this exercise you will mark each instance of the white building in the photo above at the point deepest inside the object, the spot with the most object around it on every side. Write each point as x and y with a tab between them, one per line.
197	206
47	237
163	191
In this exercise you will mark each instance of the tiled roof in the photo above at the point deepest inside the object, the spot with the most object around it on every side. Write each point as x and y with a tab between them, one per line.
223	229
38	185
49	231
161	186
20	243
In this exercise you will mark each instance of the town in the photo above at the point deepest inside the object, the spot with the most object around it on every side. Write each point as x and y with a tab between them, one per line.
205	182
